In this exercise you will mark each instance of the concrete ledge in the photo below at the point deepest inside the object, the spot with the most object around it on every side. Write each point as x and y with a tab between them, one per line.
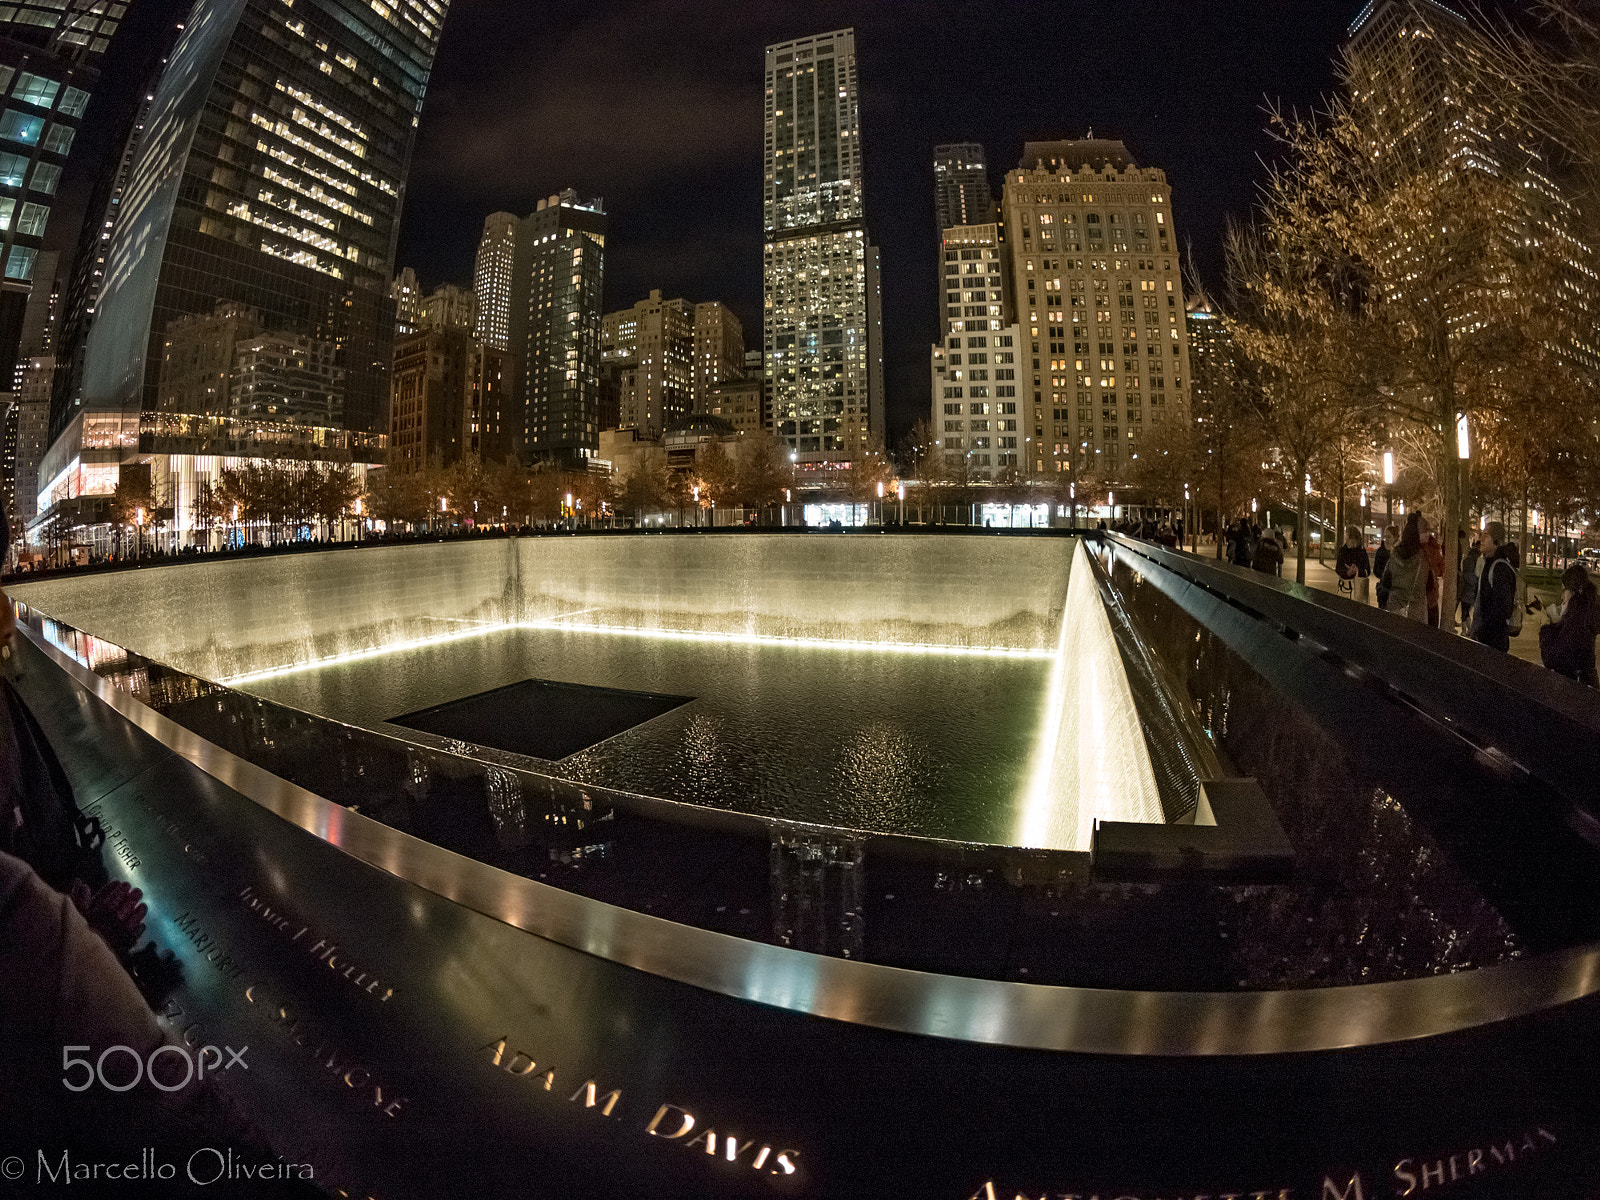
1245	845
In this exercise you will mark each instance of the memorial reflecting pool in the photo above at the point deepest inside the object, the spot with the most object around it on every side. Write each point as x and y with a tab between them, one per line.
931	744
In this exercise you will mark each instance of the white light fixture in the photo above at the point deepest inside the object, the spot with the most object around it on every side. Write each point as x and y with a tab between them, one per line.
1463	438
1388	467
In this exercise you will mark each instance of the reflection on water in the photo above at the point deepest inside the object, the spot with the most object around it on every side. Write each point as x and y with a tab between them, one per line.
920	744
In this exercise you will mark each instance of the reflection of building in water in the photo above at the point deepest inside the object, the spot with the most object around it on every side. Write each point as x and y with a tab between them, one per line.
285	377
269	174
197	361
226	364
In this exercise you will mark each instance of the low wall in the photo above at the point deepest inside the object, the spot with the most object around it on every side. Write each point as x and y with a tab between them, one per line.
229	618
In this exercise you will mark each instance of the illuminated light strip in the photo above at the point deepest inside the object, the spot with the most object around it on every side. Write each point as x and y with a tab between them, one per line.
560	624
314	664
762	639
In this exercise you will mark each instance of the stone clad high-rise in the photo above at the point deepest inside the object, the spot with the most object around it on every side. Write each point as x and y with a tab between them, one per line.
822	321
270	175
1099	291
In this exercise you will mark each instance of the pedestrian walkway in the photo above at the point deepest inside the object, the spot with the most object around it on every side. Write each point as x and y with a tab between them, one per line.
1322	577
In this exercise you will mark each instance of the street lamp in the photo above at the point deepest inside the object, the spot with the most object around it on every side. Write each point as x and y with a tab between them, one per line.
1463	437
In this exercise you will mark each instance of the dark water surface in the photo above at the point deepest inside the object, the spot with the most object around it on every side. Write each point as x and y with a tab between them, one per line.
907	743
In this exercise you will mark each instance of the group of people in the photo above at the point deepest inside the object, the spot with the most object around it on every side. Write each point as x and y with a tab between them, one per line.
1409	568
1249	545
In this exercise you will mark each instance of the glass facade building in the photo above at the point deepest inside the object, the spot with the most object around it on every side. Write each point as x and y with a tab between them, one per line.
49	65
822	319
270	176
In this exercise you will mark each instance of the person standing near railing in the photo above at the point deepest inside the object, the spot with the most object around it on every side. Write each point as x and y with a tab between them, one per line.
1380	562
1497	589
1566	644
1353	566
1406	574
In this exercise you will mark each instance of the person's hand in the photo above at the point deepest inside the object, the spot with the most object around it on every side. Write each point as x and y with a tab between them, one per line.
8	623
116	912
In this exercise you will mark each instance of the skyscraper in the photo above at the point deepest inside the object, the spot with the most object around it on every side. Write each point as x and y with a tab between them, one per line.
555	330
975	418
493	279
718	347
270	174
1095	277
653	346
49	64
823	317
961	194
1419	62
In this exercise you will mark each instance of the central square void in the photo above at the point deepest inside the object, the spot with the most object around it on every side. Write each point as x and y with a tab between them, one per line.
540	717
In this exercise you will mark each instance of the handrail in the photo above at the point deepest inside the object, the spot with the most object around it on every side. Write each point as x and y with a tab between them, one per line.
1546	723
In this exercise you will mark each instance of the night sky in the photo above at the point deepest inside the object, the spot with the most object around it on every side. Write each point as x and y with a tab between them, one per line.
656	106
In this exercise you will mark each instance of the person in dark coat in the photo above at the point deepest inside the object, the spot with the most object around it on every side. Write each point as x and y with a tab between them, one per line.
1268	557
1497	589
1467	581
1239	544
1566	645
1380	560
1353	565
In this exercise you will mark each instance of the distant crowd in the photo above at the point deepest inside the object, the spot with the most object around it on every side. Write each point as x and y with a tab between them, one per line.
1409	569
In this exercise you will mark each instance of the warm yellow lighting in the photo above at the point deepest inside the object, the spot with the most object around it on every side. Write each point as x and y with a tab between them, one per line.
1089	760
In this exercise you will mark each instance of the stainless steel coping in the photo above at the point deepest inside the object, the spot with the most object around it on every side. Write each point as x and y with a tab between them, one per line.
1023	1015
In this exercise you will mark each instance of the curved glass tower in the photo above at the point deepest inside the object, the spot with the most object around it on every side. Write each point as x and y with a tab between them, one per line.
257	232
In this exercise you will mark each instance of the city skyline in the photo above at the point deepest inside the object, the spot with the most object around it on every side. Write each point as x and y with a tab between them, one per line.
674	141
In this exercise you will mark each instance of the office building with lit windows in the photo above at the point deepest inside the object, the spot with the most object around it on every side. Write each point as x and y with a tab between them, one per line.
269	175
666	356
822	327
494	279
975	418
718	347
555	330
1420	62
1097	289
49	65
961	194
652	346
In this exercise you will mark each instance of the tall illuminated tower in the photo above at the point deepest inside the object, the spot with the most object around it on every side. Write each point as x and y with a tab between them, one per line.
269	176
822	339
555	330
493	279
